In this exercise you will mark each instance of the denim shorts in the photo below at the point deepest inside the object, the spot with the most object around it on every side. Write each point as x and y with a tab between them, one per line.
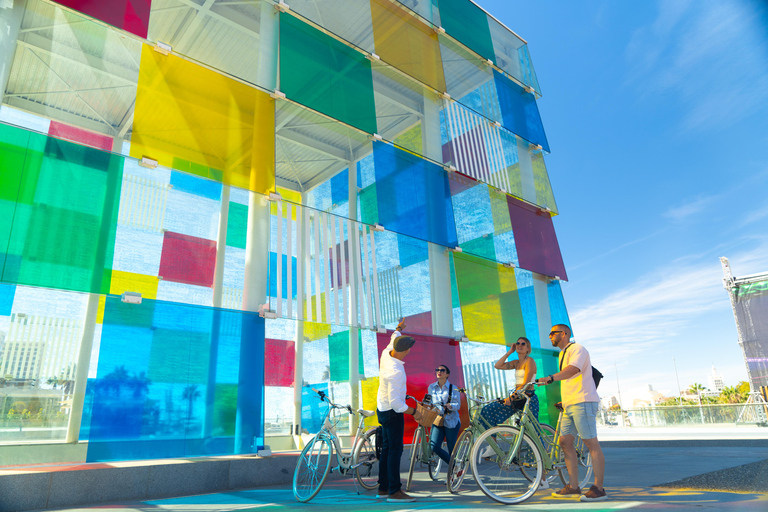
580	418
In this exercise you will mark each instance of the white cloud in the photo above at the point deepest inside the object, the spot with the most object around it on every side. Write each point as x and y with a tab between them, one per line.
690	208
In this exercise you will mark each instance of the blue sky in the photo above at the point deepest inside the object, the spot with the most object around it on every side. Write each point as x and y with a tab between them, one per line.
657	117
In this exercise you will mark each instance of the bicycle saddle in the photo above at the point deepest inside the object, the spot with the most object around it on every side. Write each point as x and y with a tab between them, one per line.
365	413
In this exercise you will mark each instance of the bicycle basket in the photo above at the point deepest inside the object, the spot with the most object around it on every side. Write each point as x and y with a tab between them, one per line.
428	415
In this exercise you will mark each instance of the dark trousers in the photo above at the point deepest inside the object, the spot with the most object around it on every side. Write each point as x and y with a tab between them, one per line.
436	439
392	428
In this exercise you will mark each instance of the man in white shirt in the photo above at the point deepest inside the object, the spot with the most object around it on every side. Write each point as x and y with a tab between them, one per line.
580	404
390	410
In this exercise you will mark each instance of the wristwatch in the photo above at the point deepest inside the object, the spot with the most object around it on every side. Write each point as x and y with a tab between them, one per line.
551	379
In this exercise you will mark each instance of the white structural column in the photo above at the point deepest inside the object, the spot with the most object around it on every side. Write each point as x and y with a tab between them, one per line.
354	263
89	324
298	371
439	262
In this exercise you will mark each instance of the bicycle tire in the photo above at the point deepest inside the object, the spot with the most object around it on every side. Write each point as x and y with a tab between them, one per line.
503	482
366	474
435	465
418	438
312	468
457	467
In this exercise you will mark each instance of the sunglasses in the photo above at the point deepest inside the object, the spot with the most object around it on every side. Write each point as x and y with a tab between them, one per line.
555	332
520	343
438	370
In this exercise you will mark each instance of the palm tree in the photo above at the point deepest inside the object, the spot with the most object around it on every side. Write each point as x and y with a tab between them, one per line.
190	394
696	388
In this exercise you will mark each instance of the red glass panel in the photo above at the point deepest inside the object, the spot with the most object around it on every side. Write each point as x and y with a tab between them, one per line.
129	15
187	259
535	239
420	364
65	131
279	362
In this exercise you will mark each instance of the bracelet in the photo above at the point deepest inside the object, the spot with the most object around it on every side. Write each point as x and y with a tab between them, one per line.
551	379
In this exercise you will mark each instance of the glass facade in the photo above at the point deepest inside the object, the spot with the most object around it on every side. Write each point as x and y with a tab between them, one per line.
207	209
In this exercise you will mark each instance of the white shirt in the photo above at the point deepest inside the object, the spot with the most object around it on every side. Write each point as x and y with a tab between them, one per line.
440	398
391	395
581	387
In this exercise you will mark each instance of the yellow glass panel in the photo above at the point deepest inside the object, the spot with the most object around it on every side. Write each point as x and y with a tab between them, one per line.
370	388
130	282
406	43
199	121
100	310
483	321
288	195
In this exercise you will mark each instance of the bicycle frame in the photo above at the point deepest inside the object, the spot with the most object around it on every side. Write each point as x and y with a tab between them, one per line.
329	432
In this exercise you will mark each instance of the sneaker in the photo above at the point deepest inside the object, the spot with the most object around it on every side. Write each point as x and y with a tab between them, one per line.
544	484
400	497
487	452
567	492
594	494
382	494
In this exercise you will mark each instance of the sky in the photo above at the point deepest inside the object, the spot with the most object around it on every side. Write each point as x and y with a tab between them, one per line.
657	118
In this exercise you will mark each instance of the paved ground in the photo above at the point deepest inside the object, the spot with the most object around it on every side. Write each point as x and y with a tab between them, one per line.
632	480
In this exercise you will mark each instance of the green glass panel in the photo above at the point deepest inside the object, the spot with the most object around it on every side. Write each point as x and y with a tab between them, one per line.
326	75
61	232
338	354
369	210
481	246
467	23
544	195
237	225
546	364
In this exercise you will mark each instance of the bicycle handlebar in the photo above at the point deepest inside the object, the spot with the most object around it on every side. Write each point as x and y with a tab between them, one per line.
324	398
479	399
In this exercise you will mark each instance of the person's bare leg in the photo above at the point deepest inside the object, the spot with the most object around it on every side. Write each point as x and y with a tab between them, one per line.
571	460
598	461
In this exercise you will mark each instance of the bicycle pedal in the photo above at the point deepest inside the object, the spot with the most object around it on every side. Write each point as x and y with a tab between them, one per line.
355	466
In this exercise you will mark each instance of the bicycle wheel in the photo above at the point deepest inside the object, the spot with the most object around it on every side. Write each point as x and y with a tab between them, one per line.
459	464
497	471
418	438
367	473
547	438
584	466
312	468
435	464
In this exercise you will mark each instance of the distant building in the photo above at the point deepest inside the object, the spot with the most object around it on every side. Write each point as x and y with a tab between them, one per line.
609	402
715	381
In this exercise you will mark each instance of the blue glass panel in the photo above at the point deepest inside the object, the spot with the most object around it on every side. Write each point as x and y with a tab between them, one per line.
7	293
525	290
312	409
413	196
411	251
519	111
557	311
340	188
175	381
201	187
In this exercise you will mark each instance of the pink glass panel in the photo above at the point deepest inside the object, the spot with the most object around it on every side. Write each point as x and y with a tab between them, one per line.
187	259
535	239
279	362
129	15
65	131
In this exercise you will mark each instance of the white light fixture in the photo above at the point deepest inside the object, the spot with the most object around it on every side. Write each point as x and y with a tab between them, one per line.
453	249
274	196
147	162
373	57
131	298
496	124
376	137
265	312
378	227
444	95
381	329
163	48
450	168
439	30
277	95
509	265
282	6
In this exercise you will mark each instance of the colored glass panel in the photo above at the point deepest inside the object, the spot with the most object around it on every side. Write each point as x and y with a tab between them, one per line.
519	111
547	364
512	54
535	239
203	123
406	43
237	225
187	259
59	203
137	283
350	20
544	195
557	310
338	353
65	131
178	388
326	75
426	354
370	391
490	305
7	292
312	409
182	182
129	15
466	22
279	362
413	196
